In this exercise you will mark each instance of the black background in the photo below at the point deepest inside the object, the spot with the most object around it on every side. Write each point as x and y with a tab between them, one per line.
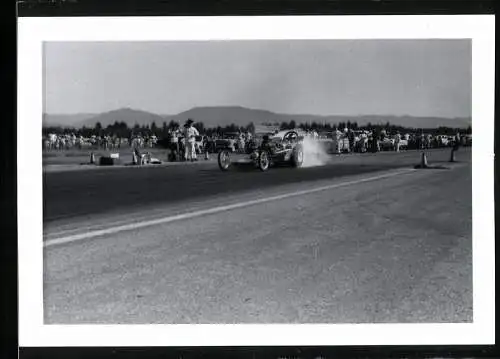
8	179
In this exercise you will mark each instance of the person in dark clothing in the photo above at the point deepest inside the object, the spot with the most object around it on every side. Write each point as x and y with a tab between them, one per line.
376	139
350	137
456	144
137	155
370	142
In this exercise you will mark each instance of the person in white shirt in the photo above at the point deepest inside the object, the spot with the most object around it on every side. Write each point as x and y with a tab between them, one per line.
397	141
363	137
232	144
383	134
241	142
190	133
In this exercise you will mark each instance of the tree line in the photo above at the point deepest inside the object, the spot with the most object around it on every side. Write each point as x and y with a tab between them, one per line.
121	129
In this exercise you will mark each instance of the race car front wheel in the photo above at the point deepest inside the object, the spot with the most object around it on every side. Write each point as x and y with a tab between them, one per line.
264	161
224	160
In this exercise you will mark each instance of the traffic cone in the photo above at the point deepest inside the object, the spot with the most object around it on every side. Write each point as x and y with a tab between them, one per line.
92	158
423	161
452	156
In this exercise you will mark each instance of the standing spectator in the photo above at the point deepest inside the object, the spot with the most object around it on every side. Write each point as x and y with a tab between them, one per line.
370	141
138	155
232	144
428	141
383	134
456	144
363	137
174	142
241	142
189	140
205	146
376	140
397	141
463	140
350	137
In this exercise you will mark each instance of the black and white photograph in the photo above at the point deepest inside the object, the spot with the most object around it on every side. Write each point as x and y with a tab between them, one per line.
258	181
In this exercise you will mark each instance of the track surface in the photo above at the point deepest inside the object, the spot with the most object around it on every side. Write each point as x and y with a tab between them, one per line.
395	249
82	193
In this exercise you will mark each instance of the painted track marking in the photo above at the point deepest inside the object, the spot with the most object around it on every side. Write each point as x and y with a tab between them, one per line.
208	211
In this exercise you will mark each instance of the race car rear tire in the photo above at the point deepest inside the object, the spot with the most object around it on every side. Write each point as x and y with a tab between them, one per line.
264	161
298	157
224	160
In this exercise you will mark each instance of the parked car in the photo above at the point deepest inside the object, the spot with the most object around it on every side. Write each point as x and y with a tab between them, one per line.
387	144
228	141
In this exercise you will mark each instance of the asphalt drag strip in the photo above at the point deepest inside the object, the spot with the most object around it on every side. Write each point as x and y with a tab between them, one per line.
136	221
74	194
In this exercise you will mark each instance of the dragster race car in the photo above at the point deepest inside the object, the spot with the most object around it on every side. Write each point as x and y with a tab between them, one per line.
285	147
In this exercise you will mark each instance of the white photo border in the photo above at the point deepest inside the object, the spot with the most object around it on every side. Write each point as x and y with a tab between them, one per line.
33	32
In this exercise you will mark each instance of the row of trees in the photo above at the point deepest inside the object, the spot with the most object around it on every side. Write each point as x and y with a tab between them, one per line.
121	129
369	126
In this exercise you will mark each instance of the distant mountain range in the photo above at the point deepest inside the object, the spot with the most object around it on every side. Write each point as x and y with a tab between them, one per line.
127	115
226	115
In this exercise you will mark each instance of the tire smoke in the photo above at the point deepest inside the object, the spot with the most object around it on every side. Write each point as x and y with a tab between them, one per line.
315	153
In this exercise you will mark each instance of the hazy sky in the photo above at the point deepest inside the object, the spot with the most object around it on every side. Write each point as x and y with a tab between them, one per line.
349	77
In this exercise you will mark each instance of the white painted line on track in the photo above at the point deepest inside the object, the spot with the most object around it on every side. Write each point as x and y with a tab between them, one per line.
199	213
